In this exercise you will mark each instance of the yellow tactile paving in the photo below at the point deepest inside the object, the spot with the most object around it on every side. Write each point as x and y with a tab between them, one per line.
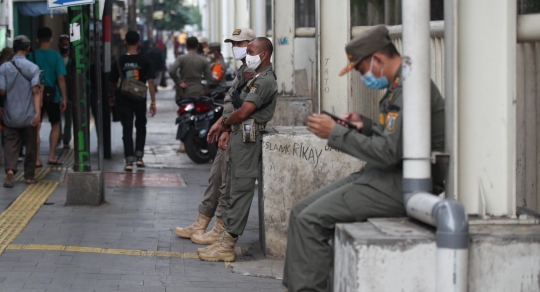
19	213
45	247
38	175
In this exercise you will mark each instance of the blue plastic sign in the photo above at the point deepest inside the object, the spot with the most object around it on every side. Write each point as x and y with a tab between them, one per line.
65	3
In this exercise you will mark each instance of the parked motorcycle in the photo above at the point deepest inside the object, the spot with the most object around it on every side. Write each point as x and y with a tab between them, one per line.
195	117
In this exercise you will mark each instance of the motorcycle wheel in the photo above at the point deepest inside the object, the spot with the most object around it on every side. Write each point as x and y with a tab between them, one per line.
198	150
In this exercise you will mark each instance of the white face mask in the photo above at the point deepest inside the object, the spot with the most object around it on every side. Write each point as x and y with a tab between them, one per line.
239	52
253	62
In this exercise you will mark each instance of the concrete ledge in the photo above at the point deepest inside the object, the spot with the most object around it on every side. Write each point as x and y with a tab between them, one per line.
295	163
400	255
84	188
291	111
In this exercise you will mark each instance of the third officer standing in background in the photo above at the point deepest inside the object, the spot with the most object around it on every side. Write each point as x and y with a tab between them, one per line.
218	63
192	67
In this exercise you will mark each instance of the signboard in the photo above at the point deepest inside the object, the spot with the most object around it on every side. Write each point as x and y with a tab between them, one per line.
65	3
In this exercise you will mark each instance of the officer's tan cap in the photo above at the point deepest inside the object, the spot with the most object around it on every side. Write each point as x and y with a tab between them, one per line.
368	42
241	34
214	47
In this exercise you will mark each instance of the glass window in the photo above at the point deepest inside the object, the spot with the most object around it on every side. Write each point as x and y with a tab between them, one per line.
373	12
304	13
528	6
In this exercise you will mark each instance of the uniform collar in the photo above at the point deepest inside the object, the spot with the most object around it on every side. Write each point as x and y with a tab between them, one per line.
265	69
18	57
397	81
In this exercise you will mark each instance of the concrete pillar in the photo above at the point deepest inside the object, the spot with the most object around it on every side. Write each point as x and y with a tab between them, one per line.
486	112
205	13
283	33
242	12
226	29
333	34
258	17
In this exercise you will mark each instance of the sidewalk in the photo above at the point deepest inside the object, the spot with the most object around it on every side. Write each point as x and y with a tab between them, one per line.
127	244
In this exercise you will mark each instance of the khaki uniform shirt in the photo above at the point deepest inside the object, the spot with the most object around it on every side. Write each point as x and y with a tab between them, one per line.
242	75
380	144
192	67
261	89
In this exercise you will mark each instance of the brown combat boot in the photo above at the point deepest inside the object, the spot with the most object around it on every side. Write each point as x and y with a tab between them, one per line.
211	236
223	251
198	227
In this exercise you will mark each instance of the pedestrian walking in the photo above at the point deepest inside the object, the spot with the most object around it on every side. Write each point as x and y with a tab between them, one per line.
19	90
54	93
130	97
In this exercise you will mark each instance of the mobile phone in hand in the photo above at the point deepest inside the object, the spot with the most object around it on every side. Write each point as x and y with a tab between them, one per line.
342	122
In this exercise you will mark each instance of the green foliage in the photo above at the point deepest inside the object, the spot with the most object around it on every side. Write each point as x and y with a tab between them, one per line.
175	14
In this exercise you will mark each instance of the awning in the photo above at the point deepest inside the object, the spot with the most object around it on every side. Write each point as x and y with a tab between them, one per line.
37	8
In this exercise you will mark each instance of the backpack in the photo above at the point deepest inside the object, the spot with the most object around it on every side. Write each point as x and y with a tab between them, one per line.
131	88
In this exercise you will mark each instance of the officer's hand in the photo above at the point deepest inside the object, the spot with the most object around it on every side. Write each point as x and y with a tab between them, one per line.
321	125
213	134
224	141
183	84
354	118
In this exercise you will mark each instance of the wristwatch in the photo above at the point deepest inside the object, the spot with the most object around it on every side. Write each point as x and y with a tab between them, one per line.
223	123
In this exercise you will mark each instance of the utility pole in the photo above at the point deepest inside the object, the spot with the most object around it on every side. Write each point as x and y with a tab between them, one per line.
80	64
132	15
149	4
84	186
106	35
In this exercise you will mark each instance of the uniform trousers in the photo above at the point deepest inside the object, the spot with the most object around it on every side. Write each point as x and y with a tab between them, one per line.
12	145
243	169
309	256
213	202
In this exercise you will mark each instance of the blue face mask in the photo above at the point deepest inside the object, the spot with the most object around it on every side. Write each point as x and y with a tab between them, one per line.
372	82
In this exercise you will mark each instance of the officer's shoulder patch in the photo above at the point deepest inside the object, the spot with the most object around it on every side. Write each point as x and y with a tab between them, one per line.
391	120
237	31
254	88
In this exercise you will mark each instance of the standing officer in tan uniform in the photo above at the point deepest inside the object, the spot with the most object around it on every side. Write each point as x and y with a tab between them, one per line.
375	191
192	68
219	68
255	102
213	202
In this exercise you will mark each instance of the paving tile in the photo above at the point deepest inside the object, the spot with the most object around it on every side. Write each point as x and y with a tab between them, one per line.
135	218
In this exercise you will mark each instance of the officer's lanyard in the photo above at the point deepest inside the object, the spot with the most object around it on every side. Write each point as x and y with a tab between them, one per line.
394	85
253	79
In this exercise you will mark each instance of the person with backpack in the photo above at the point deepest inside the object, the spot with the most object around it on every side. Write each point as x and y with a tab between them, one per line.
54	91
134	71
19	89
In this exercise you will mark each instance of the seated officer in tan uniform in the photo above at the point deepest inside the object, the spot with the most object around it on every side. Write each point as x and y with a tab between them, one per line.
254	102
374	191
